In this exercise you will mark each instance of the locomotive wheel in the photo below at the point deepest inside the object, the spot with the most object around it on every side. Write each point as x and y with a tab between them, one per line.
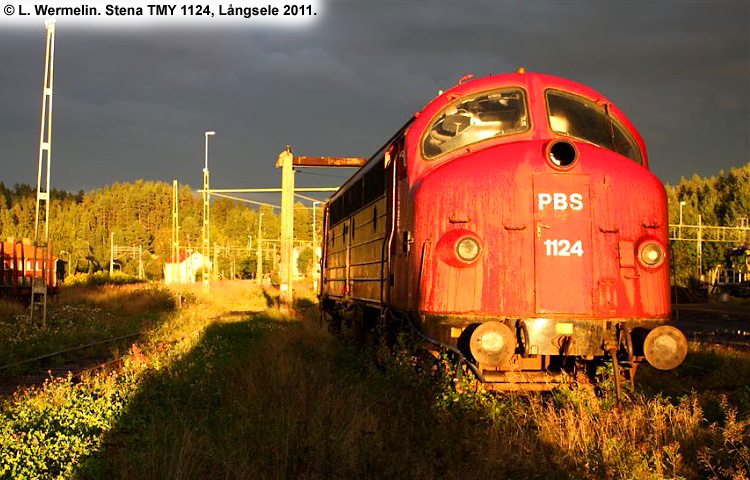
492	343
665	347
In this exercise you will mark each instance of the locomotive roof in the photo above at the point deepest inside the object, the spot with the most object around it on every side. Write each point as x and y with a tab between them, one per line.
371	161
533	83
524	79
529	81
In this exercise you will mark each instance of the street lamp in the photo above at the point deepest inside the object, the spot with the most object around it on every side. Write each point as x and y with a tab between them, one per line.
681	205
207	134
206	198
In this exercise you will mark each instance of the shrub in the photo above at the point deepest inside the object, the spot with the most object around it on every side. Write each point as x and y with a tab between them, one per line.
101	278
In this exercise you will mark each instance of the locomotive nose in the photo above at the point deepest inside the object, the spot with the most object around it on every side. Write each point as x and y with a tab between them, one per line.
665	347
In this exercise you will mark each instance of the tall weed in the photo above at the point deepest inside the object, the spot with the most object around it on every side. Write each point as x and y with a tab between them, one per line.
219	391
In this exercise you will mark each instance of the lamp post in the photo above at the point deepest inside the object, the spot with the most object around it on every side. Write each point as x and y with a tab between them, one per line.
259	253
680	232
206	228
207	134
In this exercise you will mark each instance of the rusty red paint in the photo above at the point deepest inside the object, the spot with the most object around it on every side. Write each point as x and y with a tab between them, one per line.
328	162
558	244
497	185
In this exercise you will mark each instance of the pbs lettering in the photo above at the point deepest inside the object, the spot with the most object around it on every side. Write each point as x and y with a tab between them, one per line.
561	201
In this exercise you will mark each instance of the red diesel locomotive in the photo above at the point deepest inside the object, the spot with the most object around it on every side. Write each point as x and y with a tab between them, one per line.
514	222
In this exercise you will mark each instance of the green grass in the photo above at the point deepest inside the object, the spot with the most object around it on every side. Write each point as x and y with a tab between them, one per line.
48	432
80	316
230	390
101	278
711	374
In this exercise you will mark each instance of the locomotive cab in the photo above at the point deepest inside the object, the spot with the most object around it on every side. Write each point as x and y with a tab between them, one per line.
521	226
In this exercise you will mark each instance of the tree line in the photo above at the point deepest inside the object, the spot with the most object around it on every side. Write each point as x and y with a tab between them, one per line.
721	200
140	214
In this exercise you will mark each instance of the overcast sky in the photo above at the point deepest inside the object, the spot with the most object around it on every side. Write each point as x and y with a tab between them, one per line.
134	103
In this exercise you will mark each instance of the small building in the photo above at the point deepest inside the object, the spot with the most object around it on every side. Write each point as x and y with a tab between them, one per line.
185	268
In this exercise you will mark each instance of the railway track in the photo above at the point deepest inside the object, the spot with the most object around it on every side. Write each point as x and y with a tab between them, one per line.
715	324
739	339
78	367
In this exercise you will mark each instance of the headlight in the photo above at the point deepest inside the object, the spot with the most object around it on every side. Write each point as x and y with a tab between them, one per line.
468	249
651	254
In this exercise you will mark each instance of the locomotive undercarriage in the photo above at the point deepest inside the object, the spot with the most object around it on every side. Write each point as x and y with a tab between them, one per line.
542	355
546	352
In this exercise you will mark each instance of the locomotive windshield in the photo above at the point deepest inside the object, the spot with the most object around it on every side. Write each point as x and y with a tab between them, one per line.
578	117
476	118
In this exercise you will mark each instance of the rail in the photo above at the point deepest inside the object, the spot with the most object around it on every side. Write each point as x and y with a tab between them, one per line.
68	350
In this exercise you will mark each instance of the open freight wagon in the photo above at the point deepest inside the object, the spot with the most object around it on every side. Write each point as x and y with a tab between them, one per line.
21	264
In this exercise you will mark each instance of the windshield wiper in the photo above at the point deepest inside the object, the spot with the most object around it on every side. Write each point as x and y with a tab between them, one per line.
611	126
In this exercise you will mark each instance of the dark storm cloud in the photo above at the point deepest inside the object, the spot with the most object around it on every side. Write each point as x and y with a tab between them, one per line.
134	104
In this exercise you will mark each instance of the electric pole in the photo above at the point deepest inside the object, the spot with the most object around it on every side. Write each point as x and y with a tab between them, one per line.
175	235
259	253
206	212
39	284
287	225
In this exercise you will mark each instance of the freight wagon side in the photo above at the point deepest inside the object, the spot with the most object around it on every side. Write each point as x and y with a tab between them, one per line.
20	263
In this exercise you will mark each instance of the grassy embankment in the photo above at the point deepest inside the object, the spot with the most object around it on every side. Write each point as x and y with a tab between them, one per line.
216	391
81	315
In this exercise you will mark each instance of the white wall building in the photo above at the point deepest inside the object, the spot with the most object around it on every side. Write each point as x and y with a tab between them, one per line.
187	269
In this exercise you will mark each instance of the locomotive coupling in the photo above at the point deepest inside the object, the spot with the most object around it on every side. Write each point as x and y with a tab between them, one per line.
665	347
